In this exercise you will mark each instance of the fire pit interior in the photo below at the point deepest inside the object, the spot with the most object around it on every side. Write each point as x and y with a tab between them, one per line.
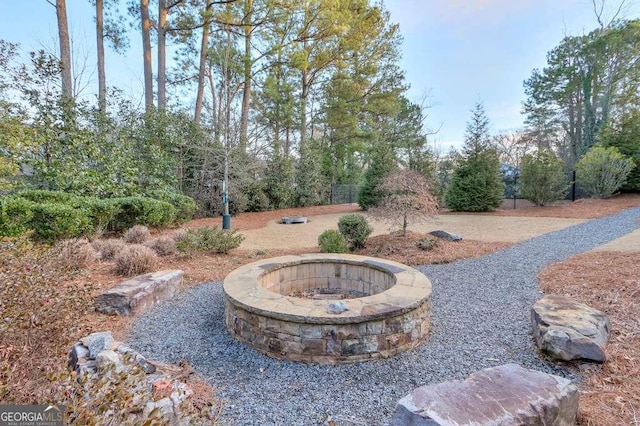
281	306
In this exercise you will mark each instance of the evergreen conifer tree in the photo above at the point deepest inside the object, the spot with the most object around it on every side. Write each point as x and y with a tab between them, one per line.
476	184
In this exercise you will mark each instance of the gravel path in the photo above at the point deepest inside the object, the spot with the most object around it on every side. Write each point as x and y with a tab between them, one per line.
480	318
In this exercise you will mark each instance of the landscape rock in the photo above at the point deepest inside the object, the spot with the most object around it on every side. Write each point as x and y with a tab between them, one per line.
139	294
137	357
446	235
337	307
109	359
569	330
118	357
504	395
78	354
97	342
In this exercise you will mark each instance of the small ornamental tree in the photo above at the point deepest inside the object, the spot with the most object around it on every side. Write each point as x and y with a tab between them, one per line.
409	198
603	170
542	177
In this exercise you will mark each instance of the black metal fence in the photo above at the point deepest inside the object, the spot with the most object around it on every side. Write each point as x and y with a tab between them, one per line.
511	176
343	194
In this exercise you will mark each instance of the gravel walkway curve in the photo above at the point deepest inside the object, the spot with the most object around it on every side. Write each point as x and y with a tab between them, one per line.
480	318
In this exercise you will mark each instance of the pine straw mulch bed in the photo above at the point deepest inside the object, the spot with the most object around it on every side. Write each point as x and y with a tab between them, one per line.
609	282
586	208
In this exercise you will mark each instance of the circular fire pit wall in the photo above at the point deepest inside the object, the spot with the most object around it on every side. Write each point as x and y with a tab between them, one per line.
264	309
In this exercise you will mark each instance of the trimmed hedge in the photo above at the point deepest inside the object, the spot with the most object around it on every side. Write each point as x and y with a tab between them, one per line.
142	211
53	215
47	221
185	206
57	221
15	216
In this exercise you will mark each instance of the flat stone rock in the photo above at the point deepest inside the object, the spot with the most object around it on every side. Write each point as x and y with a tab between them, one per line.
96	343
139	294
446	235
504	395
569	330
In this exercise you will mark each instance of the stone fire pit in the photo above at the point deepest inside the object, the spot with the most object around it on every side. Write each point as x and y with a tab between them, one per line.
263	311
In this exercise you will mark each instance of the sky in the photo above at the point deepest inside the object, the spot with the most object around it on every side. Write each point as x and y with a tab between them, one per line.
455	52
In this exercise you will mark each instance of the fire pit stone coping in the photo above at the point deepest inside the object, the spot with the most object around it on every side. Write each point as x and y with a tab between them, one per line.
394	317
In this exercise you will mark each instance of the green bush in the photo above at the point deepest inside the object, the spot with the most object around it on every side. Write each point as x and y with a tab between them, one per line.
44	196
332	241
602	171
15	215
476	185
142	211
257	200
185	206
101	212
208	239
625	135
355	229
55	221
542	178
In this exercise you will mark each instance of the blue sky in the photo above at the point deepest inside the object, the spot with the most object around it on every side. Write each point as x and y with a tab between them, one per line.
459	51
454	52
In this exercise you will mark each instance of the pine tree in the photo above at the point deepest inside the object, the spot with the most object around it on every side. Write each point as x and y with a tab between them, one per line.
476	185
383	163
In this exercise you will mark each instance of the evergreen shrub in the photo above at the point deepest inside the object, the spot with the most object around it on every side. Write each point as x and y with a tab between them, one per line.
185	206
542	178
602	171
332	241
355	229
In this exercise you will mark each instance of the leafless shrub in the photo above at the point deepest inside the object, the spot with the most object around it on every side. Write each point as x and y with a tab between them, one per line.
163	246
108	248
180	234
137	234
77	254
135	259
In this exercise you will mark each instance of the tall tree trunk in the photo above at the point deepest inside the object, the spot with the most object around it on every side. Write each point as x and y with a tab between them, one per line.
146	53
102	80
304	94
65	49
204	48
162	54
246	92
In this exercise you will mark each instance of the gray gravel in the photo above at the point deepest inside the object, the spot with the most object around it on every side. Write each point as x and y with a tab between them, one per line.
480	317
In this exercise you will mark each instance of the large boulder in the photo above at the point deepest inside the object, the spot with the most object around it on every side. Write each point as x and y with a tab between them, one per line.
504	395
568	330
139	294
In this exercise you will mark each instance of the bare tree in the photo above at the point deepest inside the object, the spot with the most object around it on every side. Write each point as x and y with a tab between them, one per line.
599	11
409	198
512	146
